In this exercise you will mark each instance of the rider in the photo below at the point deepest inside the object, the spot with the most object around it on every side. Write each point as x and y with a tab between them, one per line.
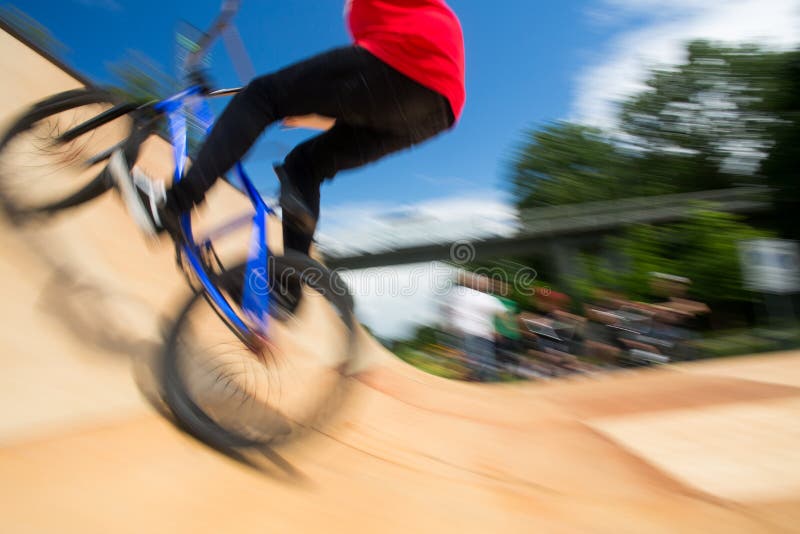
399	84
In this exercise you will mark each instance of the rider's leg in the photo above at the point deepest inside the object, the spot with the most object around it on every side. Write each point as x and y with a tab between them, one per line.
348	84
309	86
343	147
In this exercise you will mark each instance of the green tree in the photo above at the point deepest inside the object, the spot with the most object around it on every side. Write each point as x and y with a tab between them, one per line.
728	115
704	248
423	336
565	163
696	125
782	99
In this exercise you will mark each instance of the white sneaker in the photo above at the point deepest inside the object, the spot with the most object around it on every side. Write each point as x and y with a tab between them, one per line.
142	196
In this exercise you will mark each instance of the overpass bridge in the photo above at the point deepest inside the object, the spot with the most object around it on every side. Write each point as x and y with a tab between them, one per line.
560	231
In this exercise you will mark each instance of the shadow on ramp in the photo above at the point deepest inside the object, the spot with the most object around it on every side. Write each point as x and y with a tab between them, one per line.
94	315
265	460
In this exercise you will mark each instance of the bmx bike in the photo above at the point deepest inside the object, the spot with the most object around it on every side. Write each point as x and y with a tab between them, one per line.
237	369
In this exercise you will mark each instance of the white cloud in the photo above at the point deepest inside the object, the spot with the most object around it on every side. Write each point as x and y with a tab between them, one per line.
350	229
660	40
392	300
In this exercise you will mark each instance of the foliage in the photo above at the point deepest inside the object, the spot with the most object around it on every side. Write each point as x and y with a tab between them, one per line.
724	117
566	163
704	248
747	341
780	167
697	125
426	360
422	336
139	78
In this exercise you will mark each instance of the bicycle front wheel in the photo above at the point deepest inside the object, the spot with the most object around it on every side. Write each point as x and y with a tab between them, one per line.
42	173
229	395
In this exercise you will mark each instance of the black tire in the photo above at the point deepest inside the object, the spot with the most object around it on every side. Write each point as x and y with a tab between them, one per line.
40	175
213	422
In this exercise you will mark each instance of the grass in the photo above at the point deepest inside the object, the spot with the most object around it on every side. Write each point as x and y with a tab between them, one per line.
748	341
434	364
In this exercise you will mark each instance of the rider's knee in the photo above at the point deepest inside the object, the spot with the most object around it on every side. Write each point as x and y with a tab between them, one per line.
263	93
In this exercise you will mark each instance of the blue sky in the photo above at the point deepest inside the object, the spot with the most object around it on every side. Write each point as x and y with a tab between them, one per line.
521	66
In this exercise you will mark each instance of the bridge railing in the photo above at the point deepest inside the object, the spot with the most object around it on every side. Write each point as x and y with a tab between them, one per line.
678	201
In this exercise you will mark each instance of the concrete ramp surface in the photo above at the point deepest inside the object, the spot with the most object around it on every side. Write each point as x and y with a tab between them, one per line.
706	447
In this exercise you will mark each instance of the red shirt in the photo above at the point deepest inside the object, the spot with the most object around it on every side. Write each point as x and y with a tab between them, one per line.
420	38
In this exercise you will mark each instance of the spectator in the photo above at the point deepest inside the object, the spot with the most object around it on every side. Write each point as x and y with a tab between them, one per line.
507	326
471	315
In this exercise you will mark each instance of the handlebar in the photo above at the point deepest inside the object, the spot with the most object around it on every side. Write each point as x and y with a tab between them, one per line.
223	20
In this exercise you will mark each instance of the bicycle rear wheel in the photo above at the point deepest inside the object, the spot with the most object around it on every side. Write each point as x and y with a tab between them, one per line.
230	396
39	173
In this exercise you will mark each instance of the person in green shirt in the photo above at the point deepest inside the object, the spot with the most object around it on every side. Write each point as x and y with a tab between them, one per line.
509	336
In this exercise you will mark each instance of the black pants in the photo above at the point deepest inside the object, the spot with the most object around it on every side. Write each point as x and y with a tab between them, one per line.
377	109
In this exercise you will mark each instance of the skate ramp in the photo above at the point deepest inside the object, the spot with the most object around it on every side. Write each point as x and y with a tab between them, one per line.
709	446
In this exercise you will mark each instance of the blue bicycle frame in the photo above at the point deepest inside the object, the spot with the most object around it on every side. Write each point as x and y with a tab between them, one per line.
255	297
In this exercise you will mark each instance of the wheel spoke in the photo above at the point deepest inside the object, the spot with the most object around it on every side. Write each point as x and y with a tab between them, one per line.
240	398
36	171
